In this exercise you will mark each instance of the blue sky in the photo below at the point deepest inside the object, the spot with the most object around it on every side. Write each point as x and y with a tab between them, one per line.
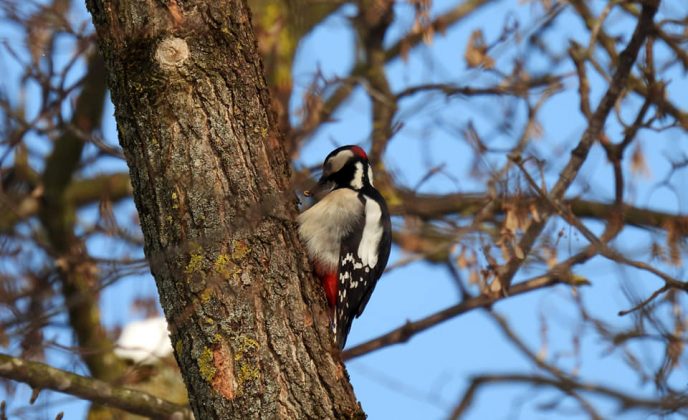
424	379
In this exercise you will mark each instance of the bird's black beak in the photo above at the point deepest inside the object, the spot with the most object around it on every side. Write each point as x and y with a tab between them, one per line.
323	187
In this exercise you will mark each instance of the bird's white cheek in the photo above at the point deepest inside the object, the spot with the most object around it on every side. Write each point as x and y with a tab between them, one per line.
357	181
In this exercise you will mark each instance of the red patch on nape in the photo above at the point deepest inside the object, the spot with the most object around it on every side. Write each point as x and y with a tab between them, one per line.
359	152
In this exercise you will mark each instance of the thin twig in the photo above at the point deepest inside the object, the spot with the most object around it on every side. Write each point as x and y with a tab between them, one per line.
645	302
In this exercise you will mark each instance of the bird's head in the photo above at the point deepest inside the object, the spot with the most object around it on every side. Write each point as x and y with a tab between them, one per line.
344	167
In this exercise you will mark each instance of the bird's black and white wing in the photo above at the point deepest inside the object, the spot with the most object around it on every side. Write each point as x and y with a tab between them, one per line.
362	259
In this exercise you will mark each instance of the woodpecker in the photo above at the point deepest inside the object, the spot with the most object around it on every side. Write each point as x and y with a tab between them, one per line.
348	235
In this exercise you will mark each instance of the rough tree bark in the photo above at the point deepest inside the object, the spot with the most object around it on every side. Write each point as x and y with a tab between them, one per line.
211	185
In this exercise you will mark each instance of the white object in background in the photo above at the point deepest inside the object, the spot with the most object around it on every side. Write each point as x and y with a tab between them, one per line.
144	341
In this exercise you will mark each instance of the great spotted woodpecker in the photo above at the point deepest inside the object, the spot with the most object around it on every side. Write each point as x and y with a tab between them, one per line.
347	234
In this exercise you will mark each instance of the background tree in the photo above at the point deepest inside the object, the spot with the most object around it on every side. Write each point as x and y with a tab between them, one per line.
547	187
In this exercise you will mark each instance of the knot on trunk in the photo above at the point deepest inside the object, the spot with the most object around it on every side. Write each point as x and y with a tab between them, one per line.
172	52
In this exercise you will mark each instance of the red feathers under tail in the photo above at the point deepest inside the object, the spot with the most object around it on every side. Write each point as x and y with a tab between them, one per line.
329	283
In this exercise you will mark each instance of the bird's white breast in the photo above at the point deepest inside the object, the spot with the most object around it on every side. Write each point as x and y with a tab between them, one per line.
323	226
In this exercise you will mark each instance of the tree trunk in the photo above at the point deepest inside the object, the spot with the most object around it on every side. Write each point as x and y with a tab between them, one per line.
212	187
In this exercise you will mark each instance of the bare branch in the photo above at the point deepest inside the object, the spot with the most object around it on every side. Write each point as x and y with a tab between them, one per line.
557	275
79	193
607	43
669	404
601	245
431	206
518	88
42	376
596	124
